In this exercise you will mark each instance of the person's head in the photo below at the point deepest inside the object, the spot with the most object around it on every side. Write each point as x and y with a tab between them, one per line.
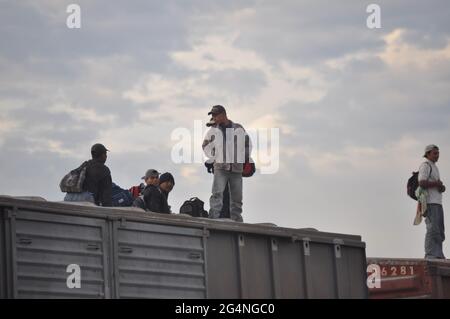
432	153
98	151
218	114
151	177
166	182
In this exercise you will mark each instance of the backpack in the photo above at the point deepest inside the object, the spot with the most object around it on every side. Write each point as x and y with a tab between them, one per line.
121	197
194	208
73	181
413	184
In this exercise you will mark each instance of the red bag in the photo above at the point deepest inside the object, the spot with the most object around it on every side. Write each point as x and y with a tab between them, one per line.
136	191
249	169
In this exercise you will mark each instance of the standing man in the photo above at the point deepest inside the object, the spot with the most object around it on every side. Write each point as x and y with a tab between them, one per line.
429	179
228	146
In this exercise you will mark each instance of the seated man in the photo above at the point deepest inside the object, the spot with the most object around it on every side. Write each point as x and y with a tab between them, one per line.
97	186
151	177
155	197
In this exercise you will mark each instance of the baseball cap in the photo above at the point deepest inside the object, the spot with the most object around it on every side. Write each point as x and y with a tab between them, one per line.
429	148
150	173
217	109
98	149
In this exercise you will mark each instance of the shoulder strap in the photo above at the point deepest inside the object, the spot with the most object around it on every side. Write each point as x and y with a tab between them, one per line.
431	169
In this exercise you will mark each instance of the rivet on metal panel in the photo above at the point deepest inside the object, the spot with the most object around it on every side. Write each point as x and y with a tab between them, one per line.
126	250
11	212
24	241
274	245
306	246
205	232
241	240
194	255
337	250
92	246
123	222
337	247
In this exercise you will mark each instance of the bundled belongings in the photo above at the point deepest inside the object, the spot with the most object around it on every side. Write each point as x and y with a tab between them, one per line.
73	181
121	197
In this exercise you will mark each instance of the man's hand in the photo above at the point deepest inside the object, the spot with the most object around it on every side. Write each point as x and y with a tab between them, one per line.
209	167
441	188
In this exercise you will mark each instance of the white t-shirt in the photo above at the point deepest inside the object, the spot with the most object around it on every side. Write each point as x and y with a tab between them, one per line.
434	196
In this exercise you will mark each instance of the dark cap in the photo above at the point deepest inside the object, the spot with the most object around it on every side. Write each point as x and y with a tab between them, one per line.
98	149
150	173
166	177
217	109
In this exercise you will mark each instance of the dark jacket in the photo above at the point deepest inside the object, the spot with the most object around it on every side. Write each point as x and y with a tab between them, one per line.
98	181
156	200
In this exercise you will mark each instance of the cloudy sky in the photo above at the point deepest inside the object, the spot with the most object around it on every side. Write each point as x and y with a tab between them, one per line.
355	106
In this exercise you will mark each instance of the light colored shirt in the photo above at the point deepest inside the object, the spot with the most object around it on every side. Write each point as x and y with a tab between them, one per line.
433	196
229	146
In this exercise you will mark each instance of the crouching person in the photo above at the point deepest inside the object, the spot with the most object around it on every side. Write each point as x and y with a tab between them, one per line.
155	197
151	179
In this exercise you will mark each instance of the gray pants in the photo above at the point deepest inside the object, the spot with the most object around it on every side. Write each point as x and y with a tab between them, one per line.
221	178
79	197
435	231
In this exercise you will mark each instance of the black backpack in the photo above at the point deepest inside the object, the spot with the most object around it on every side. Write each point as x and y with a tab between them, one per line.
73	181
194	208
413	184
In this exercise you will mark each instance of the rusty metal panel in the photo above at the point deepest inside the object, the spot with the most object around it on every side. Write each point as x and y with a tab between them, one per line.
439	271
446	287
411	278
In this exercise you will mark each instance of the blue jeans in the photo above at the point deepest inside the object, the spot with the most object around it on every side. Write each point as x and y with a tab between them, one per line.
435	231
79	197
221	178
